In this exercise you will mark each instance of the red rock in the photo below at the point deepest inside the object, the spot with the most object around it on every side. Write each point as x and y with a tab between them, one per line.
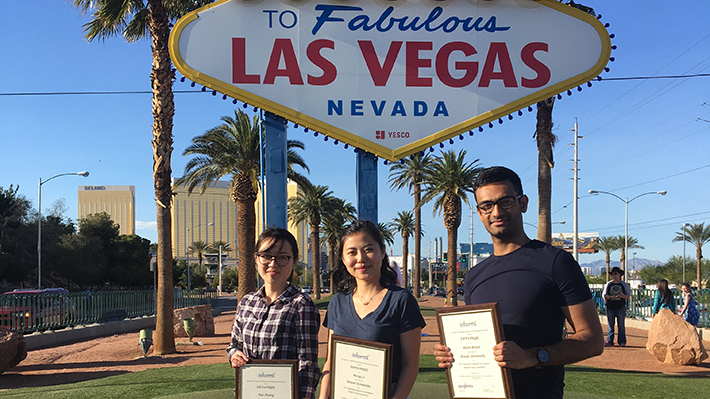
13	349
672	340
204	322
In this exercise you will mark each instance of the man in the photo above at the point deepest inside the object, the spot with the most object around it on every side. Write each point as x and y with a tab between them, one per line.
616	293
537	287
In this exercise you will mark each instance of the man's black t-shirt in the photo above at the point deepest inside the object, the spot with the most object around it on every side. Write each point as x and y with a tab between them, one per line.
531	285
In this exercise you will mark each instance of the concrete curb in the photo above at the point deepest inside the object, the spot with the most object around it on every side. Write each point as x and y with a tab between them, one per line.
40	340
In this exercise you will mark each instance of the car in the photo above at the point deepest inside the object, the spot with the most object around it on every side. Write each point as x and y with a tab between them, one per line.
307	290
459	290
325	290
440	291
29	310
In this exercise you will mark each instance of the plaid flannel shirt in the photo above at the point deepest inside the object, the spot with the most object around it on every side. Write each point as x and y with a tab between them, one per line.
285	329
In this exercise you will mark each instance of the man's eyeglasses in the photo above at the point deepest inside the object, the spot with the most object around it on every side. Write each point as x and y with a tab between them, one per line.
503	203
266	259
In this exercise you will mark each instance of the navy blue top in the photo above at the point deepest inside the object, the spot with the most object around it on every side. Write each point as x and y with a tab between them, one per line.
398	313
531	285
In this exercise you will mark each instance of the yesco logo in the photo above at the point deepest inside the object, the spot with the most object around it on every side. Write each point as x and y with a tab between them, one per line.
381	135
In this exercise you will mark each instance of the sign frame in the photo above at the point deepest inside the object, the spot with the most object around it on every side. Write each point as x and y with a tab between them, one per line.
459	127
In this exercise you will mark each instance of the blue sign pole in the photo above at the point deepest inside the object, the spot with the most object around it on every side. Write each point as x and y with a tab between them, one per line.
275	155
366	186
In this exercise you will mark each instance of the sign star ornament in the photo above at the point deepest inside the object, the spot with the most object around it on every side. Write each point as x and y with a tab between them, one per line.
390	77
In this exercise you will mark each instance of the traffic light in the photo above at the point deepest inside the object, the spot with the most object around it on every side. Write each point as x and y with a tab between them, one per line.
445	258
464	258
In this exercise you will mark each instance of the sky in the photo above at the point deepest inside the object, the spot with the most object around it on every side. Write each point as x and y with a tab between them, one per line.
640	135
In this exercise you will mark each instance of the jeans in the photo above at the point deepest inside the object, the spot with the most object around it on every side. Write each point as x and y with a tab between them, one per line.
612	316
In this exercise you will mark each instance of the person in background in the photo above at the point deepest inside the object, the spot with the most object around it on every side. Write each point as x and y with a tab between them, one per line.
616	293
278	321
664	298
369	305
689	311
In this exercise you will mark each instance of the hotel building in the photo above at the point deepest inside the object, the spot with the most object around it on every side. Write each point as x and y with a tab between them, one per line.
117	201
212	216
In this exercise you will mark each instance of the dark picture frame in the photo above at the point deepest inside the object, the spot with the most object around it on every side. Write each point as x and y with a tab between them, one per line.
474	330
266	366
360	365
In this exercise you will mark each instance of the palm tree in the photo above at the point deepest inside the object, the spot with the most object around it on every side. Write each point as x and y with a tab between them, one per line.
309	206
607	245
226	248
698	235
404	224
447	182
333	225
136	20
199	248
386	232
410	174
632	243
232	149
545	162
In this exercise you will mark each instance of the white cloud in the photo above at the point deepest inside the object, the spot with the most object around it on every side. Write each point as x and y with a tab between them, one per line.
146	225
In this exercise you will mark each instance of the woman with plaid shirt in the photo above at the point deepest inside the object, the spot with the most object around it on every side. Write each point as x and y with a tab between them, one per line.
278	321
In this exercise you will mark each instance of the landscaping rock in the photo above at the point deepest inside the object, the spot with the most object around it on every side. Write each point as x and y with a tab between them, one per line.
672	340
13	349
204	322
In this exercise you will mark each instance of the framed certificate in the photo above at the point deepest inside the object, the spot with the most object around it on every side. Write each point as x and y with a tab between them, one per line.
360	369
471	332
267	379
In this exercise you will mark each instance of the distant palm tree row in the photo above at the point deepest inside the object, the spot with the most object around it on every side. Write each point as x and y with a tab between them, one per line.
695	234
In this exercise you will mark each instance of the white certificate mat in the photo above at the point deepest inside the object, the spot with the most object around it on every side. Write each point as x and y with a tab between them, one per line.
264	379
471	332
360	369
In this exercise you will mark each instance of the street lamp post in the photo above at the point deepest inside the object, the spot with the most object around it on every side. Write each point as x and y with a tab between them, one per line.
187	258
685	224
626	223
39	222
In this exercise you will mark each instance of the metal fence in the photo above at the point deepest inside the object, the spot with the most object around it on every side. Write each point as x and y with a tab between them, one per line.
640	305
33	312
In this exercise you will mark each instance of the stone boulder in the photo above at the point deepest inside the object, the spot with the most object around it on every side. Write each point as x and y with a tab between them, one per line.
13	349
672	340
204	322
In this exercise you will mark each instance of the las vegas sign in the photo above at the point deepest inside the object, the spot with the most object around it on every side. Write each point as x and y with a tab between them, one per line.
390	77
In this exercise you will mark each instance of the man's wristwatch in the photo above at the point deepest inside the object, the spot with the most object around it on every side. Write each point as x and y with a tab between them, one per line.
542	357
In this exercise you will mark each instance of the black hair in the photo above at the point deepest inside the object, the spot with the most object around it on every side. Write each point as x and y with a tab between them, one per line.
665	292
278	235
344	281
497	174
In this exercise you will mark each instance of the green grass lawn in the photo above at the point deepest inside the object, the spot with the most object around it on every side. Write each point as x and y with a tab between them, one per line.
216	381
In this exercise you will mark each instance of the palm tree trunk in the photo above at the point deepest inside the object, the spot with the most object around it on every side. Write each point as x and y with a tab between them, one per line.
417	278
333	254
315	258
451	293
545	162
608	263
405	261
699	256
246	220
163	110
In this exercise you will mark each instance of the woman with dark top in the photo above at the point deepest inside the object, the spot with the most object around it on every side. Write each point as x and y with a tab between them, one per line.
664	297
369	305
689	311
278	321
